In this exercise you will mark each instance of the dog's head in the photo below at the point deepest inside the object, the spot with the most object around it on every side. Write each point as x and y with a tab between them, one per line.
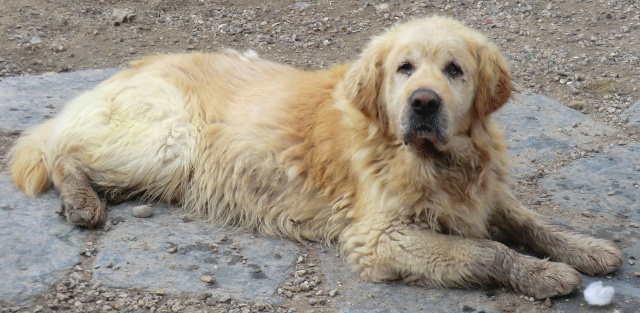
426	80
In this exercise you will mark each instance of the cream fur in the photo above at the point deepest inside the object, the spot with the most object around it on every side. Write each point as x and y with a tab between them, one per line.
238	140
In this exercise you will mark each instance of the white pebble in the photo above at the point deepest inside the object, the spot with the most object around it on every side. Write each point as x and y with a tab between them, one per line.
142	211
596	294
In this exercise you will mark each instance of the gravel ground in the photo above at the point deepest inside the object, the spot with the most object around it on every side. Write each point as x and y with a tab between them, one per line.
583	53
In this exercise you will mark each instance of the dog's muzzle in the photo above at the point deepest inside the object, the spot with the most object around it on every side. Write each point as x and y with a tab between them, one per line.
425	118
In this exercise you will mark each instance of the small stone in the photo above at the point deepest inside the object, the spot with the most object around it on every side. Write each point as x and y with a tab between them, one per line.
305	286
636	274
35	40
302	5
577	105
313	301
634	225
611	193
333	292
109	265
382	8
631	262
173	249
260	306
203	296
211	302
547	303
142	211
207	279
107	226
588	214
235	246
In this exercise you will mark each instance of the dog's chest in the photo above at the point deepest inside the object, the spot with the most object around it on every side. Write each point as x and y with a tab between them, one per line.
456	199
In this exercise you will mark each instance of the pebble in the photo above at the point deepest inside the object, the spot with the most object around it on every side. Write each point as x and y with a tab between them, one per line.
142	211
577	105
302	5
588	214
35	40
207	279
260	306
382	8
333	292
173	249
547	303
305	286
634	225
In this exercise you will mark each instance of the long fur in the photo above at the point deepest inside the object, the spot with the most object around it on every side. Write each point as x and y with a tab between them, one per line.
238	140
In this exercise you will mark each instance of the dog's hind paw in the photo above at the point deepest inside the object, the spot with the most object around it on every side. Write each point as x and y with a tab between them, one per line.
87	211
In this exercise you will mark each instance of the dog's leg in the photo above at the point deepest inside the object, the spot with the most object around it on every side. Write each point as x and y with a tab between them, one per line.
425	256
589	255
80	202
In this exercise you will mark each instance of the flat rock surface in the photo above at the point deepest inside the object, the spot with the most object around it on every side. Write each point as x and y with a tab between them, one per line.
541	130
29	100
590	184
37	247
170	254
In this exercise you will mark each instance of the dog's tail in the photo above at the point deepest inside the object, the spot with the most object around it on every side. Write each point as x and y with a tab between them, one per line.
28	159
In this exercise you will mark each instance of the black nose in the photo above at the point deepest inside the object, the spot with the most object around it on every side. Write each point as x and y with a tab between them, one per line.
425	102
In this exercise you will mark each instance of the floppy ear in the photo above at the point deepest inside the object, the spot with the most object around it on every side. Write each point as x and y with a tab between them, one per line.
494	80
363	81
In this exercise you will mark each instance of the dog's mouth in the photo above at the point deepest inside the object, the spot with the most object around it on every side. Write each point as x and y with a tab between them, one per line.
431	134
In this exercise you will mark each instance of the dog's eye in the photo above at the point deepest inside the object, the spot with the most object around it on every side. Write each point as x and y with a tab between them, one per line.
453	70
406	68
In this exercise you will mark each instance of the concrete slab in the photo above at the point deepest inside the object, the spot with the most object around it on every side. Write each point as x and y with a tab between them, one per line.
37	246
358	296
541	130
633	114
242	264
606	184
29	100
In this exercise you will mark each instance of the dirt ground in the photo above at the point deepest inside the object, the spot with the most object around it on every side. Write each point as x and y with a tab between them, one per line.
583	53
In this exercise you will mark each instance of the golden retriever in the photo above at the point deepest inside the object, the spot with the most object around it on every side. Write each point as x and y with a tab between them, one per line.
395	157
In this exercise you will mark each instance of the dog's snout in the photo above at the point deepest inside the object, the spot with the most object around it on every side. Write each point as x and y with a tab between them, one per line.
425	102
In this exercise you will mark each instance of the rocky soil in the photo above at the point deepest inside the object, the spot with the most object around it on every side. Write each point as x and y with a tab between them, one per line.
583	53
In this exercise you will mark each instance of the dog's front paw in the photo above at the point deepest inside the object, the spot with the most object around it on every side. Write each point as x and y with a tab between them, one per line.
544	279
595	256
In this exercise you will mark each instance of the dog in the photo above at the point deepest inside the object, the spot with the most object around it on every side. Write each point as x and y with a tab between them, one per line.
394	157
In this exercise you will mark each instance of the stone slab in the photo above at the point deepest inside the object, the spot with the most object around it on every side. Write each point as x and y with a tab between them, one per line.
541	130
139	247
633	114
29	100
358	296
607	184
37	248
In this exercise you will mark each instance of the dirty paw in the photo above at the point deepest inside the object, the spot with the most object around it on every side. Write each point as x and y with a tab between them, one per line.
91	214
544	279
596	256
